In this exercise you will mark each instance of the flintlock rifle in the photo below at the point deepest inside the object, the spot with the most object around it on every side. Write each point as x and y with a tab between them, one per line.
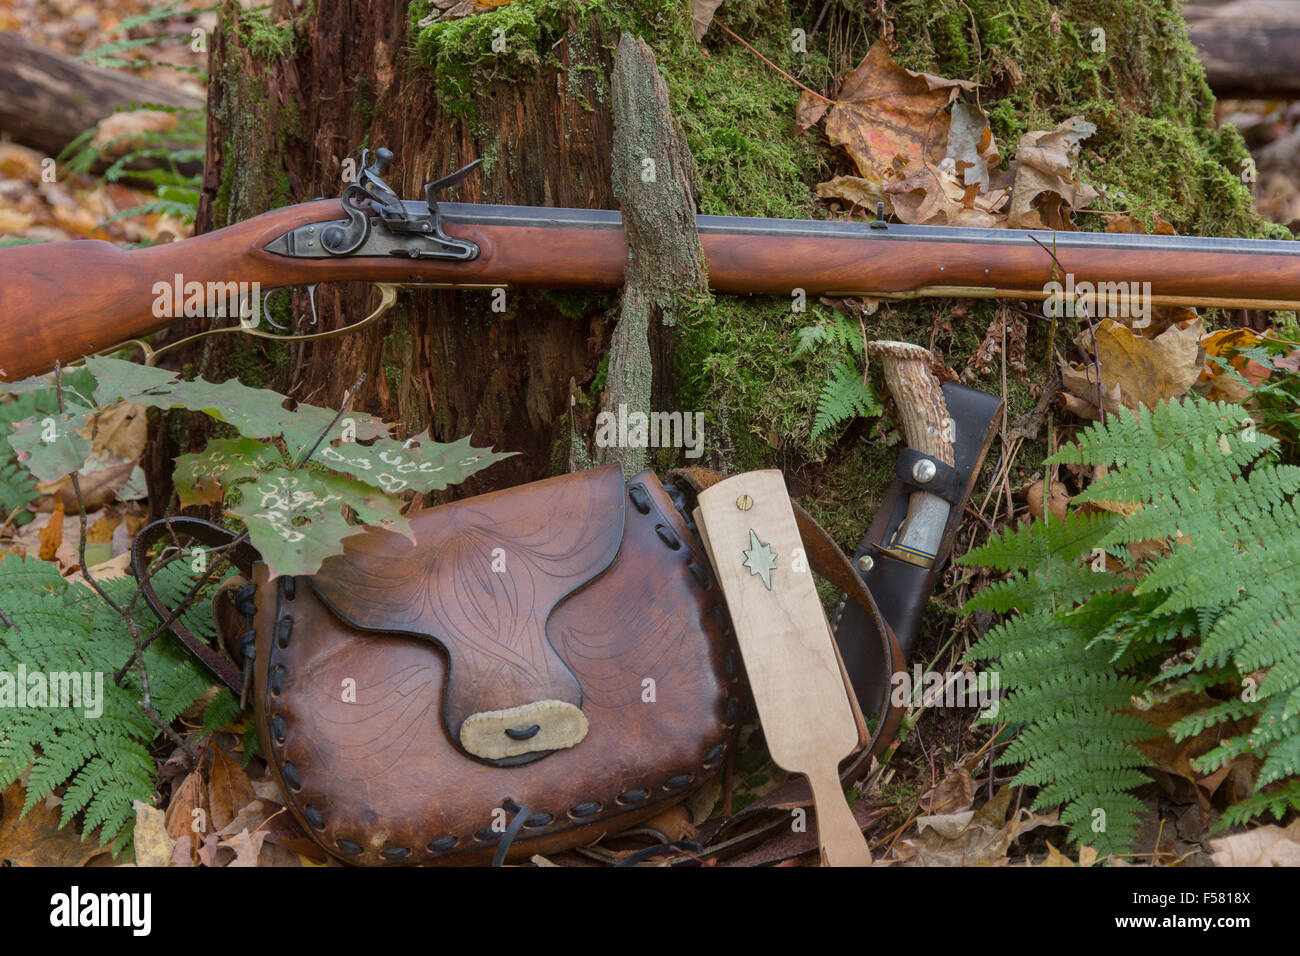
64	300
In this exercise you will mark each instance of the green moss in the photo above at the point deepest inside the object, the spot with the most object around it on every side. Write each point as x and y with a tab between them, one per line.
738	117
578	305
734	363
513	41
363	98
1155	150
265	40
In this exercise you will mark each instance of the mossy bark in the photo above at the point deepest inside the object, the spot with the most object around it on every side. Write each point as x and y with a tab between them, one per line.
654	179
292	98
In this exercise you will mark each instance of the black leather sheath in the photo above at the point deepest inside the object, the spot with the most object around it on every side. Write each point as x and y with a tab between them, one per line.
901	590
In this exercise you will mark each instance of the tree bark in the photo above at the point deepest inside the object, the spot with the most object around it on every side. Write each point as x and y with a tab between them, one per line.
654	179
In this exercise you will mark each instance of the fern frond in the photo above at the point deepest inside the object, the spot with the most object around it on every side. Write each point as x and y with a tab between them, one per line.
62	629
844	396
1083	646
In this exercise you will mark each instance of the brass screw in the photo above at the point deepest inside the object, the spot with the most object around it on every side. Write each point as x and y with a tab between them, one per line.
865	563
744	502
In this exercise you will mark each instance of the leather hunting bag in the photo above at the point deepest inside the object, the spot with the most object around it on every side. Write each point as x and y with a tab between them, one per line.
543	665
549	660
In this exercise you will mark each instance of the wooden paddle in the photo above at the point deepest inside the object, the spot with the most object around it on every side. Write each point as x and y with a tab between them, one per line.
749	530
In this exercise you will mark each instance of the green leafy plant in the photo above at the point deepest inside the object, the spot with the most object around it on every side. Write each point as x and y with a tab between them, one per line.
1181	583
168	151
1275	399
17	486
171	150
846	393
295	478
106	55
52	626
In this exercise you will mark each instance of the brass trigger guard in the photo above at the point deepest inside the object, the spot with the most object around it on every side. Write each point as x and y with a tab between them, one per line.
388	298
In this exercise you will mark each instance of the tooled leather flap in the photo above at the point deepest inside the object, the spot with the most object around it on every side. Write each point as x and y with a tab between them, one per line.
481	579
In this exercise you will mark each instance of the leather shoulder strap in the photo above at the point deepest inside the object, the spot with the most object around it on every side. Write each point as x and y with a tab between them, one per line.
243	556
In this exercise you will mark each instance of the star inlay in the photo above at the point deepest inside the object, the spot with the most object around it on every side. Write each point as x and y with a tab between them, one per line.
760	559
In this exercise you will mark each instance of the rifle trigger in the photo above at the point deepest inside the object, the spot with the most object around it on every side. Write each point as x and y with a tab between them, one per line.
266	308
311	299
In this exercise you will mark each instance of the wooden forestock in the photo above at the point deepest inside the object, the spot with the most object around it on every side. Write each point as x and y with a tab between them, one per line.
60	301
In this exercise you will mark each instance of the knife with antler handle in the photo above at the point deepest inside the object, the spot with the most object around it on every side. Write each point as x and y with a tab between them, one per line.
929	432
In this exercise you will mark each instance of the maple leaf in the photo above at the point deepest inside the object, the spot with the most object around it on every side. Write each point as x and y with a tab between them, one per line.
884	111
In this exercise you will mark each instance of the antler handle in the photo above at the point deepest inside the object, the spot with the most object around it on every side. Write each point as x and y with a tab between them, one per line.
927	427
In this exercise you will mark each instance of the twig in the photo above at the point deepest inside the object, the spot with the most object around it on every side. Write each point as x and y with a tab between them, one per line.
81	507
820	17
1096	353
146	698
771	64
347	400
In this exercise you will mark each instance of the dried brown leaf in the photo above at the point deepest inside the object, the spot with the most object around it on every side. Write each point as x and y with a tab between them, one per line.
184	854
229	790
190	795
51	536
1047	187
36	839
1264	846
970	141
931	196
153	846
979	838
1135	370
1058	500
809	112
856	192
885	111
246	846
702	12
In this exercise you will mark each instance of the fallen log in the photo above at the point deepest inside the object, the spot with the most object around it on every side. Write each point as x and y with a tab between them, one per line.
1248	47
47	100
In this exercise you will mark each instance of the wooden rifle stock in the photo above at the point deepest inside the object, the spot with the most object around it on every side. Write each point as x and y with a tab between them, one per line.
60	301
